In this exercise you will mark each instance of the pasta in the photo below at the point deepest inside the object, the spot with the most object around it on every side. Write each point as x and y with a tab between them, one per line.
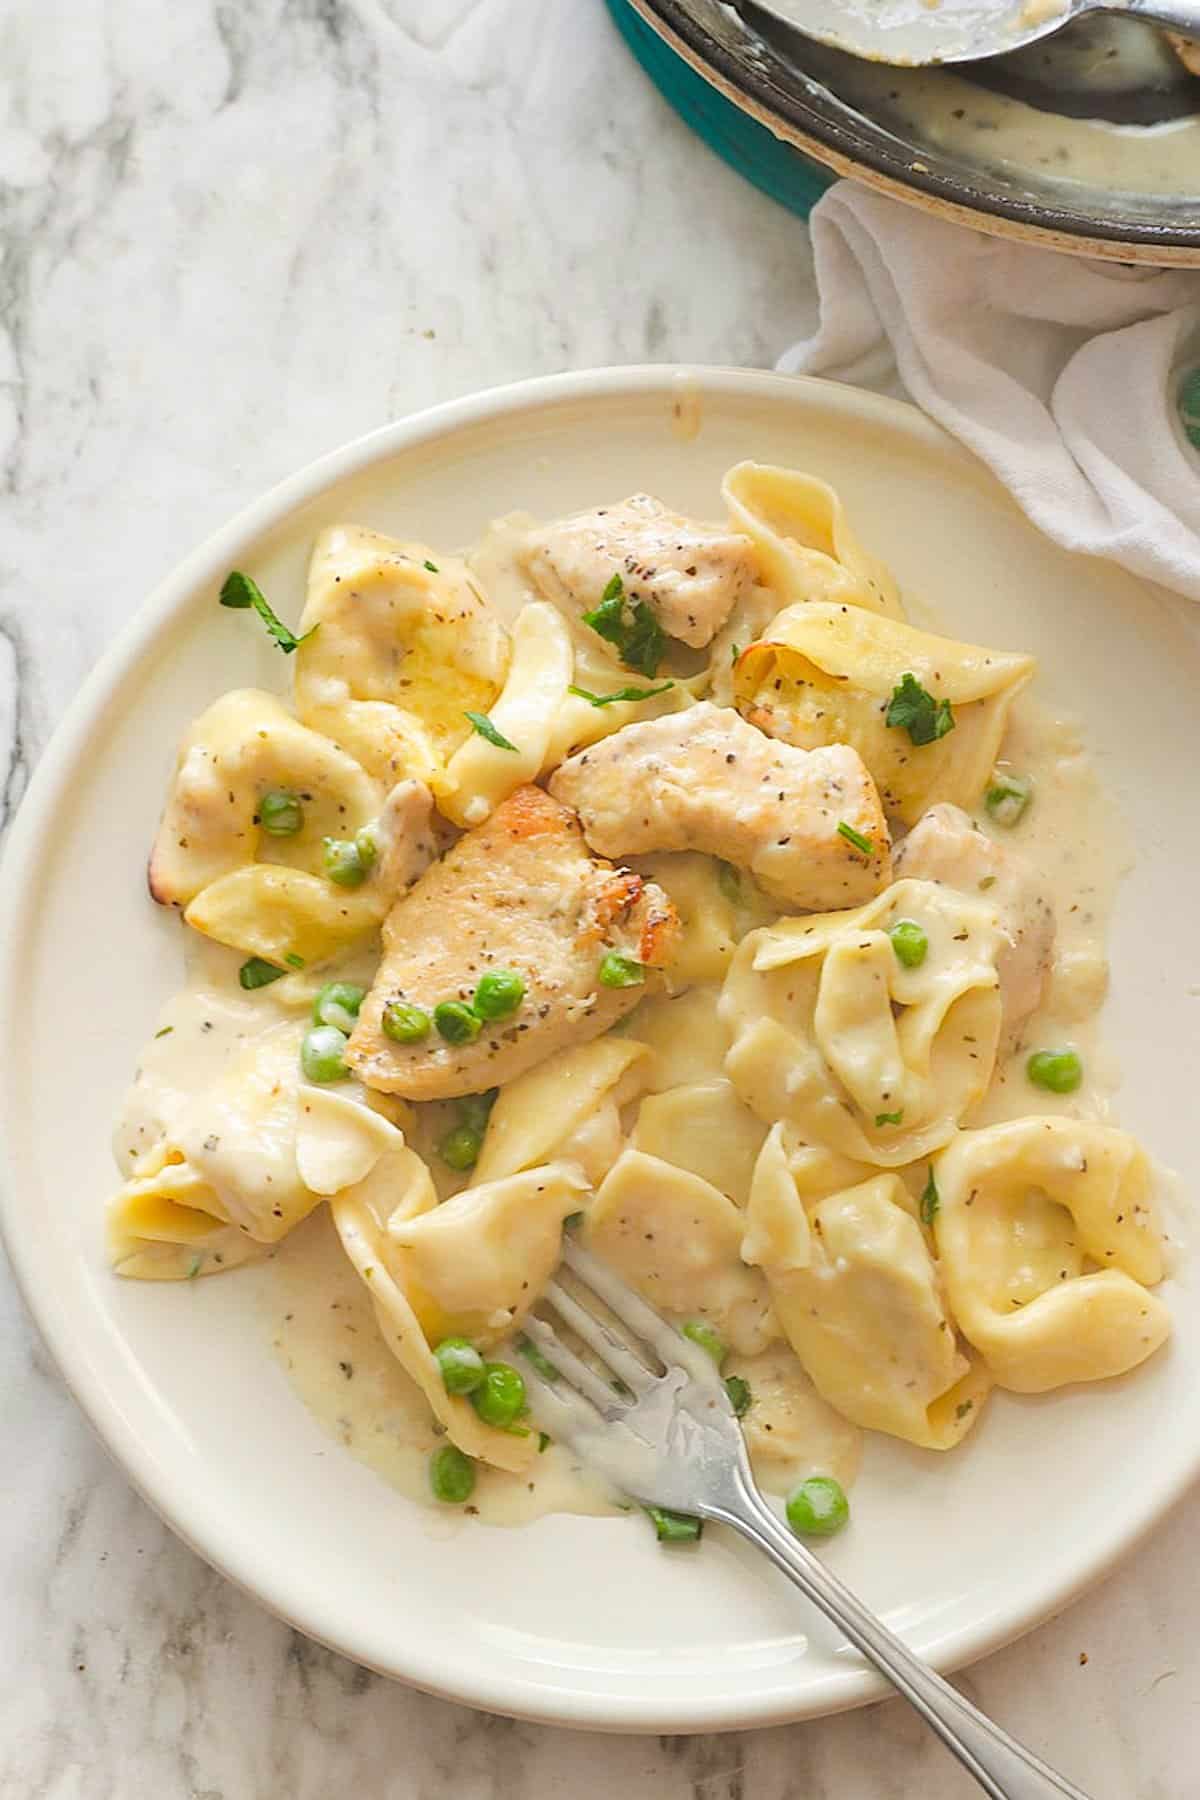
704	1128
857	1293
806	549
544	1109
865	1056
486	770
403	643
245	745
1049	1239
466	1026
824	672
676	1239
240	1162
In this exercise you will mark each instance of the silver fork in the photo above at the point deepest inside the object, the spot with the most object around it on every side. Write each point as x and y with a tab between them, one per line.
668	1438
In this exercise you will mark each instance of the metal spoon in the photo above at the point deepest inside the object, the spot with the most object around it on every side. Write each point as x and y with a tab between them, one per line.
919	32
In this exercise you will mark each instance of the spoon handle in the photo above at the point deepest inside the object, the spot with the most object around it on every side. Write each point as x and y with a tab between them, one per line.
1003	1768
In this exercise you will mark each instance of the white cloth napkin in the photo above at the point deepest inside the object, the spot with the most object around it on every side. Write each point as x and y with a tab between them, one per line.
1061	374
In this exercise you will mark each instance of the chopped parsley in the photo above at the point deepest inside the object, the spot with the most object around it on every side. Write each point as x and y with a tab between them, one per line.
625	693
888	1118
913	708
432	567
930	1200
294	961
240	592
963	1408
195	1268
735	650
256	972
165	1032
483	725
856	838
630	627
740	1397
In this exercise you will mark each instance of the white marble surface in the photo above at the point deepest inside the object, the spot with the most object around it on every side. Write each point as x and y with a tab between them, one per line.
234	233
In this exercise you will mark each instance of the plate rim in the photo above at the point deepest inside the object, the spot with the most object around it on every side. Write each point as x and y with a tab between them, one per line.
851	154
515	1696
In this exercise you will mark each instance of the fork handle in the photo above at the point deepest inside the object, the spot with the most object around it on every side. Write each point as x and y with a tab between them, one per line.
1001	1766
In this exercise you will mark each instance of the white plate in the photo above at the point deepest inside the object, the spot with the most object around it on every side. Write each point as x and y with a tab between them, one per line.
582	1621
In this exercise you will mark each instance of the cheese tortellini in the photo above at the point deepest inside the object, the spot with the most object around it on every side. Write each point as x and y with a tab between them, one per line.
806	549
244	746
404	643
677	1240
824	673
552	1111
859	1296
401	1191
863	1054
484	771
1049	1239
232	1167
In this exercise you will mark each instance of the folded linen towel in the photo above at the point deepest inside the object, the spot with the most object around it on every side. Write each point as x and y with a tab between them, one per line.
1071	379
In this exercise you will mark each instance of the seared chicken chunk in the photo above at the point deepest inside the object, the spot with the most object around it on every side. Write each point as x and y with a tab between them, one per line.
705	780
688	574
518	893
946	846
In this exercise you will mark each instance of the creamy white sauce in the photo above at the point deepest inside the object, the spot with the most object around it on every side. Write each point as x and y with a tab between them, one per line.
1081	845
946	112
321	1317
318	1313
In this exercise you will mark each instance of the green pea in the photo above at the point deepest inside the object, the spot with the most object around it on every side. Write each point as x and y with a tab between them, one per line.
818	1507
255	973
499	993
337	1003
405	1023
909	942
451	1475
456	1022
618	971
344	861
280	814
461	1365
476	1109
1008	797
500	1397
460	1148
321	1054
740	1397
674	1528
1059	1070
708	1338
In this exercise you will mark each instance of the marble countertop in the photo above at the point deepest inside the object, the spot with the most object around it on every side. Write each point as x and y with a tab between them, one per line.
233	236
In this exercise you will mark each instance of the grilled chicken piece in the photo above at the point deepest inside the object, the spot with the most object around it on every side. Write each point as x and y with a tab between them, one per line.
947	846
704	779
519	892
688	574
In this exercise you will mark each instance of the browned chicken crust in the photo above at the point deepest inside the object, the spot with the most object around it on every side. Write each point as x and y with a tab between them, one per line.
519	892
